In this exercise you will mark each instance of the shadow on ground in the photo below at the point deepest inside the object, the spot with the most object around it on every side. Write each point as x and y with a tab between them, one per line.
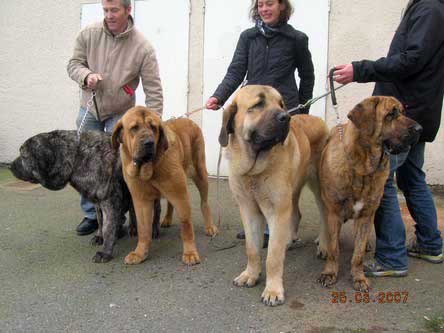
49	283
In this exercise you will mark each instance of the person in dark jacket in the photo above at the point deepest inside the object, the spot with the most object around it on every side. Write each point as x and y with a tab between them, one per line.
269	54
413	72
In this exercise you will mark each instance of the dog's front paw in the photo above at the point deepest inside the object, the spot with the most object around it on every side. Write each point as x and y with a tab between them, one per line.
361	284
166	223
96	240
273	297
327	279
211	230
191	258
321	252
133	258
246	280
101	257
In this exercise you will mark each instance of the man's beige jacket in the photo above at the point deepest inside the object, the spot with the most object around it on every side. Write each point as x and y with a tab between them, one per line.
121	60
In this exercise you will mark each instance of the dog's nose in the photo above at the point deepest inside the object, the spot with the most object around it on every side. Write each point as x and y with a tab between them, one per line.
283	117
148	143
416	129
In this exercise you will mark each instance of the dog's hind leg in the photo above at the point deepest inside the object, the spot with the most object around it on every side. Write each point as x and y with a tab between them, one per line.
201	181
168	219
329	275
314	186
295	216
156	219
132	223
110	224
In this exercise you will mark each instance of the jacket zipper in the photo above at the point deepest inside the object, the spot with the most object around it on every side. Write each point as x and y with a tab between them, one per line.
267	50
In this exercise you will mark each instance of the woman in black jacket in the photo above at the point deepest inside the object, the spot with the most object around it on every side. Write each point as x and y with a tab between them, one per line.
269	54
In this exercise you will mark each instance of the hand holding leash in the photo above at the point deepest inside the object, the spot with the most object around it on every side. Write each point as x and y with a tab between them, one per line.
92	80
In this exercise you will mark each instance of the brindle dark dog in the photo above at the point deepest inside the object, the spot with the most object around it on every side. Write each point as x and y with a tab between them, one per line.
93	168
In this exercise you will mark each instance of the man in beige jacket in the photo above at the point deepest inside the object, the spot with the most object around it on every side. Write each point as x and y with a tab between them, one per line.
109	58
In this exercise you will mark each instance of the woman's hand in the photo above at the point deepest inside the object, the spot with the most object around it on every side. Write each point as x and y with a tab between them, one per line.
212	104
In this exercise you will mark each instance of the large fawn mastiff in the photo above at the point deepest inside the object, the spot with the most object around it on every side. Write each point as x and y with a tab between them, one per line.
353	171
270	158
157	157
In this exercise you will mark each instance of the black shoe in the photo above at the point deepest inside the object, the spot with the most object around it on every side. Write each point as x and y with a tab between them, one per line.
87	226
265	243
241	235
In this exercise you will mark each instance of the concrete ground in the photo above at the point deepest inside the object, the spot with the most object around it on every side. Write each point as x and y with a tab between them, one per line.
49	283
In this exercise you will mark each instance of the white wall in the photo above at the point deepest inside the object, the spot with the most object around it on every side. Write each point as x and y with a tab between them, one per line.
36	94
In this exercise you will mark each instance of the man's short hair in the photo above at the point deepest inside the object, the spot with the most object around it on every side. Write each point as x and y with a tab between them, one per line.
124	3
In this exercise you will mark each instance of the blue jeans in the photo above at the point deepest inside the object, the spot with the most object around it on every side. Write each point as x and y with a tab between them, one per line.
90	123
391	250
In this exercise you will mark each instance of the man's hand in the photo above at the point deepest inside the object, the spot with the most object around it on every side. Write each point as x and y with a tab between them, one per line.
92	80
212	103
343	74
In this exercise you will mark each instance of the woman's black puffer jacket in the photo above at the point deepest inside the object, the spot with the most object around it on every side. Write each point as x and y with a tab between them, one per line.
271	61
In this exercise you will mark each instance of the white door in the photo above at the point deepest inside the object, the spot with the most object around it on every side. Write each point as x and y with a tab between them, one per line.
166	27
221	36
167	31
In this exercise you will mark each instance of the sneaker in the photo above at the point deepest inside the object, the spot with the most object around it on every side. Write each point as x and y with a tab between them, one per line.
435	257
373	269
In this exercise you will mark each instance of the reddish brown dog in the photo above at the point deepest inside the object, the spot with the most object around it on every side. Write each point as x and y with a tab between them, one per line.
157	157
353	172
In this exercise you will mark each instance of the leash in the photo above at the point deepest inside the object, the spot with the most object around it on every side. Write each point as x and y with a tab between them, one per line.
294	111
212	243
90	103
334	102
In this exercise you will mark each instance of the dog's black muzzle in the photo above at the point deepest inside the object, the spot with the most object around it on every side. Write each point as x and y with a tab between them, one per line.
272	131
19	171
406	141
146	152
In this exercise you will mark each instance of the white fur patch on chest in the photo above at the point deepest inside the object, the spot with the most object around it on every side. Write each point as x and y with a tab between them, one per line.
357	207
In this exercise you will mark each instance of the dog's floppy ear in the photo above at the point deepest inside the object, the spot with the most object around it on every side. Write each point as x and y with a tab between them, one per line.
116	138
227	124
162	144
363	115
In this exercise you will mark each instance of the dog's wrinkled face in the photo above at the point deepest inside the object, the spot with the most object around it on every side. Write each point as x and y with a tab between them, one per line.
382	120
41	161
24	166
141	132
258	117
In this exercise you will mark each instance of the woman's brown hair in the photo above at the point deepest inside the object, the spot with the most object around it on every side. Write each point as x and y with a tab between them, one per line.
285	14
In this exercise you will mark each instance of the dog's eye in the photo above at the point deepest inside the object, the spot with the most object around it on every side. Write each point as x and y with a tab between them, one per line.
134	129
393	114
154	128
258	105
